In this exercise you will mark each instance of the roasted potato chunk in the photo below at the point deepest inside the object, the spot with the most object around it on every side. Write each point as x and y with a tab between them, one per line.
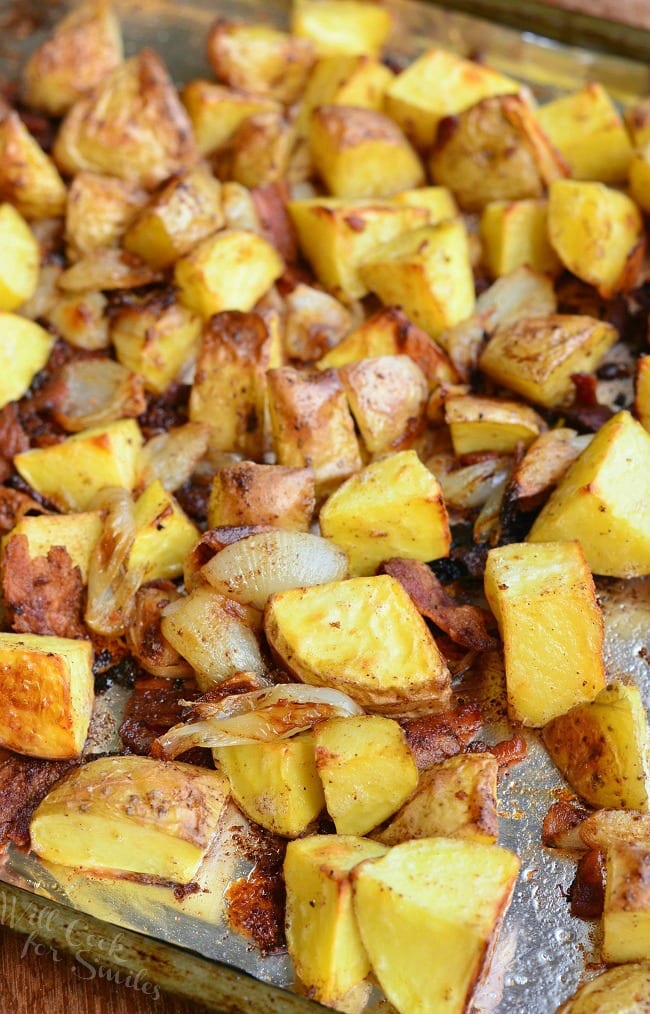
615	990
514	233
28	177
427	272
393	507
216	112
247	493
341	26
155	337
436	85
25	349
336	235
260	59
80	318
70	473
78	532
448	898
132	815
456	798
343	80
602	501
494	151
334	635
588	131
642	392
387	396
597	233
490	424
164	534
132	126
85	46
230	388
47	689
322	935
186	211
536	356
19	259
544	600
601	748
626	912
230	270
98	211
361	153
367	770
312	426
276	784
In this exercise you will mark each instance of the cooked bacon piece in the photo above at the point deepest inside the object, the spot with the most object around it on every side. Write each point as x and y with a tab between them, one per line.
13	505
270	201
24	782
587	892
13	439
145	638
586	414
434	737
466	625
43	595
561	818
507	751
154	706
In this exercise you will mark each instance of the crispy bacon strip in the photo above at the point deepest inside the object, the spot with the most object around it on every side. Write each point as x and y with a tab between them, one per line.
24	782
432	738
13	439
270	201
466	625
154	706
587	893
43	595
13	505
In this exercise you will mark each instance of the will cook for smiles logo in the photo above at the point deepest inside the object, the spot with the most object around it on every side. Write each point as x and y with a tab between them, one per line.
87	949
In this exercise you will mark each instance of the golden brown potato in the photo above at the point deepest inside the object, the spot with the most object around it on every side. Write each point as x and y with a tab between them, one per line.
494	151
107	269
312	426
439	84
590	134
216	111
133	126
80	319
314	322
156	337
626	911
28	177
546	588
25	350
247	493
479	424
260	59
602	501
361	153
98	211
642	392
456	798
185	211
260	151
597	233
514	233
601	748
448	899
334	635
387	396
341	26
322	934
613	991
47	692
133	815
393	507
343	80
20	259
229	392
537	355
85	46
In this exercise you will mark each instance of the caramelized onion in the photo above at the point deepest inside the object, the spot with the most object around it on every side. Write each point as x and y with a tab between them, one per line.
95	392
112	584
173	456
261	716
254	568
473	485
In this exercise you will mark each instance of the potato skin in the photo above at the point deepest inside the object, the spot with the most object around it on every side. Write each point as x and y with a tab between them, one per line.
133	126
248	493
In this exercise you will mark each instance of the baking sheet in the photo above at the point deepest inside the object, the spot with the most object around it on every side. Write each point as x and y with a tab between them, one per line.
542	954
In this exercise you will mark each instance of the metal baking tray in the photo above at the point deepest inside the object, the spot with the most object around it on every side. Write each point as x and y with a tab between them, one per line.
185	945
